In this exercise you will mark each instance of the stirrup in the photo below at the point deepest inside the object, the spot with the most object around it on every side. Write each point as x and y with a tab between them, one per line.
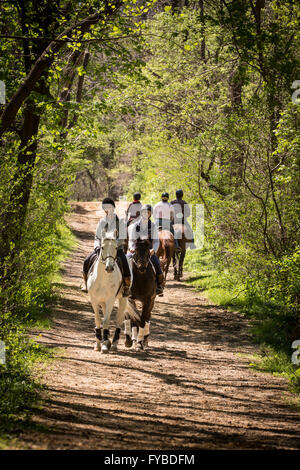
159	291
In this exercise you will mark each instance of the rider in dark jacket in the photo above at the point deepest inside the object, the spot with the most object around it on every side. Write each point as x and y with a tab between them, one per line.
181	212
145	229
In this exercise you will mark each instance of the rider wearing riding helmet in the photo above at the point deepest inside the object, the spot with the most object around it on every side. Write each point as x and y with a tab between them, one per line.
163	213
181	213
145	229
134	208
109	223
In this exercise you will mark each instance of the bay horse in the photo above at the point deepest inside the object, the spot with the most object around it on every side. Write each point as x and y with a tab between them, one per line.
104	284
178	258
143	289
166	250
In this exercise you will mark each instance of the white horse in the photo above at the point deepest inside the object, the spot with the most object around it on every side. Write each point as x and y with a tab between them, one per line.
104	284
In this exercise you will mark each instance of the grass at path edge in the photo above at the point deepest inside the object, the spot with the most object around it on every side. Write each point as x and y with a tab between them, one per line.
21	390
271	324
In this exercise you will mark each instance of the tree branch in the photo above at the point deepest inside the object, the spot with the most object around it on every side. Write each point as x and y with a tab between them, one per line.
44	62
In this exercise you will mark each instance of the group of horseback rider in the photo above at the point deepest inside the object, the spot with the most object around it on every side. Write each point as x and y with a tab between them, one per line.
138	225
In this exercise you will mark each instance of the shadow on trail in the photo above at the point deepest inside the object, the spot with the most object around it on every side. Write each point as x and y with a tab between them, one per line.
106	417
108	403
82	235
170	322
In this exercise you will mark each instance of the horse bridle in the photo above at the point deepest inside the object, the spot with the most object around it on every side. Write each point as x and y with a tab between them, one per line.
103	260
149	259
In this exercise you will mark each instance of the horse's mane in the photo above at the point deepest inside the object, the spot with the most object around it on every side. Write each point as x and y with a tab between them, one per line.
143	243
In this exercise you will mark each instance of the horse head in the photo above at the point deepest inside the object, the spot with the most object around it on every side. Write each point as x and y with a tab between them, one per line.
109	251
142	254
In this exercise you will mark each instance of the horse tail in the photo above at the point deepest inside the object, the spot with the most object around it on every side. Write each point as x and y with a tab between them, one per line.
167	249
132	311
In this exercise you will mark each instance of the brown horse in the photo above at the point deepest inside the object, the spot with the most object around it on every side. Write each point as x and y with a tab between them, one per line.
166	250
178	258
143	289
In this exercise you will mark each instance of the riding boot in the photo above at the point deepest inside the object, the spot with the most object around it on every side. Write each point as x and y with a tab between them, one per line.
84	287
160	284
126	288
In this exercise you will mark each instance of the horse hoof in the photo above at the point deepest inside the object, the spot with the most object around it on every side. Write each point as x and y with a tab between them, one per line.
97	347
106	347
139	346
114	346
128	342
146	343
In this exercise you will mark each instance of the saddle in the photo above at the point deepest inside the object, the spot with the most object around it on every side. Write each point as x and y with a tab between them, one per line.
93	258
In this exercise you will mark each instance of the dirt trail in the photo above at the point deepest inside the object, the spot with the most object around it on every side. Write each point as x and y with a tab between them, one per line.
193	389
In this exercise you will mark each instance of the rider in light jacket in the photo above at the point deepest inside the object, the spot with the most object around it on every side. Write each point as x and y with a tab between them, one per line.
163	213
110	223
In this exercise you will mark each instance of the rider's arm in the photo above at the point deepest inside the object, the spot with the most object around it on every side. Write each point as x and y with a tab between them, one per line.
98	235
128	209
155	238
131	238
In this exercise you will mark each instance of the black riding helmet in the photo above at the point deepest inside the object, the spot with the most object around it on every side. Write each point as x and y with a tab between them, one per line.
137	196
166	195
108	200
179	193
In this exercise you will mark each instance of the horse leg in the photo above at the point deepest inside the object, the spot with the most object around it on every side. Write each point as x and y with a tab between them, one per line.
175	266
115	341
98	334
146	334
167	266
134	335
140	338
128	333
119	321
181	261
106	343
147	323
144	329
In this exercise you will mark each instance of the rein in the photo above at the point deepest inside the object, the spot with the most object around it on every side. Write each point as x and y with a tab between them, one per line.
137	265
108	256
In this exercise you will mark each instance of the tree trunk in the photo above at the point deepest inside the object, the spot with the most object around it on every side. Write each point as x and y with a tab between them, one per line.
14	218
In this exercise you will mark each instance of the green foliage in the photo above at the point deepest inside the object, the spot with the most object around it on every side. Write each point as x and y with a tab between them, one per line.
212	113
177	98
58	130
